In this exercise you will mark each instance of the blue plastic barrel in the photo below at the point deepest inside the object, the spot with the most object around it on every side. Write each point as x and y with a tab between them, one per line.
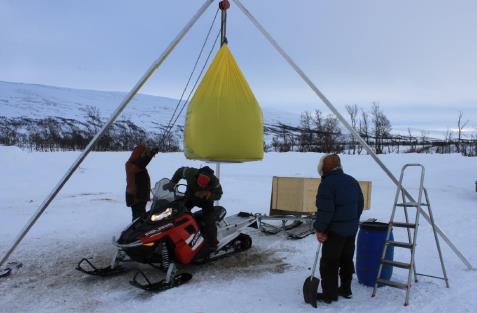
369	250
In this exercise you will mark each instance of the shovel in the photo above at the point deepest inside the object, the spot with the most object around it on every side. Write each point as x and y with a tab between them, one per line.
310	286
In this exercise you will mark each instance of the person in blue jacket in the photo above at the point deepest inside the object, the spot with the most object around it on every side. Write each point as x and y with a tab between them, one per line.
340	203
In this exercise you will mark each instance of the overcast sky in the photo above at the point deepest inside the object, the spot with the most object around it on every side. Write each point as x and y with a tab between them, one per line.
400	53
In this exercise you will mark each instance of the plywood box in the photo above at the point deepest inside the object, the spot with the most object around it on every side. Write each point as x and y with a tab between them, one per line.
297	195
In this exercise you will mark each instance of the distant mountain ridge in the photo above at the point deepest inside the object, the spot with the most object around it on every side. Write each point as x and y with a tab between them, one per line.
147	111
48	118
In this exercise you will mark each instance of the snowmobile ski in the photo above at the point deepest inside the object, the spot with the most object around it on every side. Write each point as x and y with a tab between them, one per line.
160	286
270	229
11	267
301	231
87	267
293	225
300	235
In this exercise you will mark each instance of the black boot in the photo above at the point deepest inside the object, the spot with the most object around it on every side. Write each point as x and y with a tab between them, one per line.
321	297
212	244
345	292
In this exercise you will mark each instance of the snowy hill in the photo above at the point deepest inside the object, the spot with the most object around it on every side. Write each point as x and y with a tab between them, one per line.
146	111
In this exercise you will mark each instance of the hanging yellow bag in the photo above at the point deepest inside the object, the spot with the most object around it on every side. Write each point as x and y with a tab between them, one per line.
224	121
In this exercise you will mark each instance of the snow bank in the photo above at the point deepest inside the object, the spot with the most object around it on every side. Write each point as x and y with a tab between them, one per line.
90	210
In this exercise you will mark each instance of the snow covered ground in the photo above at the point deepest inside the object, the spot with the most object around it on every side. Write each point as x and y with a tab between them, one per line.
267	278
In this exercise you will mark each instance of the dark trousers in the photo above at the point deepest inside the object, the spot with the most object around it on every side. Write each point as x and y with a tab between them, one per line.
337	255
138	210
208	217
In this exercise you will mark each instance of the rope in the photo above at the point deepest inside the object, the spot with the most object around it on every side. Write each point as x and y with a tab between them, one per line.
169	124
194	68
198	78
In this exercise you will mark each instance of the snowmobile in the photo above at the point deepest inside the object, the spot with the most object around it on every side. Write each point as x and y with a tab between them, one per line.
169	234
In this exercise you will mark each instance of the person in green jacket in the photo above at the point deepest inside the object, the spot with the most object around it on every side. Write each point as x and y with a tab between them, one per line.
203	188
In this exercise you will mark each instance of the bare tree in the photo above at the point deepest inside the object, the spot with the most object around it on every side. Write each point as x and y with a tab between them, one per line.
448	141
412	142
93	118
318	139
381	127
353	116
474	143
363	128
331	135
460	128
425	145
284	141
306	132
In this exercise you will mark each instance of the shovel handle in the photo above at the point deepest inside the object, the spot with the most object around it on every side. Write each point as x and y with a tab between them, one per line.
316	260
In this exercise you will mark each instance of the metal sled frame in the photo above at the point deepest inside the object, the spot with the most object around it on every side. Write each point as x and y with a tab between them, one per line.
297	221
156	65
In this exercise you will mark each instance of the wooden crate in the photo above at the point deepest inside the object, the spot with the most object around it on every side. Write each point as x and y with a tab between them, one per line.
297	195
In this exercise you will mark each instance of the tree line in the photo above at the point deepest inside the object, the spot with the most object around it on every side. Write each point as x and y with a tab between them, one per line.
58	133
316	132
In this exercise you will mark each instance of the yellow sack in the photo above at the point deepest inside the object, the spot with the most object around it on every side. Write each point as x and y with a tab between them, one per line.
224	121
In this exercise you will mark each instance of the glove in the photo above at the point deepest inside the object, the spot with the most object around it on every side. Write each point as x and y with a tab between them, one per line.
206	195
321	237
169	186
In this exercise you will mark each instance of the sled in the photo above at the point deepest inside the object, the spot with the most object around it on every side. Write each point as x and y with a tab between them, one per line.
294	226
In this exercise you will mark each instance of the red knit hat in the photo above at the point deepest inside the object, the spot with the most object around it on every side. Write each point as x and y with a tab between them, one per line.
203	180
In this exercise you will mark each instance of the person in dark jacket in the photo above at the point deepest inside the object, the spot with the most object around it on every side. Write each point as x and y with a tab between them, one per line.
340	203
203	188
138	183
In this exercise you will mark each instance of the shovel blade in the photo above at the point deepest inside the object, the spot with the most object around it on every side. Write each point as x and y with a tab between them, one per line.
310	289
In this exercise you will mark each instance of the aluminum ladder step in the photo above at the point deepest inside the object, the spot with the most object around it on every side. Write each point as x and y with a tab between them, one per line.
410	204
405	225
396	264
399	244
391	283
404	200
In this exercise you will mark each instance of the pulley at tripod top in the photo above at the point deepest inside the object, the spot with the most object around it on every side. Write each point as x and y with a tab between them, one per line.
224	5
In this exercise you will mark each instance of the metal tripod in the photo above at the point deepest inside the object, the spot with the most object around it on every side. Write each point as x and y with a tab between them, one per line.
412	236
148	74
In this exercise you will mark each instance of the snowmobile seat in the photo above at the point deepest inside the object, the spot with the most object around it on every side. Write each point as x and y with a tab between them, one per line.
220	213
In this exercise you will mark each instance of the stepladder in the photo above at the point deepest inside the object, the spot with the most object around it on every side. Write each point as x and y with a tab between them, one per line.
405	215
